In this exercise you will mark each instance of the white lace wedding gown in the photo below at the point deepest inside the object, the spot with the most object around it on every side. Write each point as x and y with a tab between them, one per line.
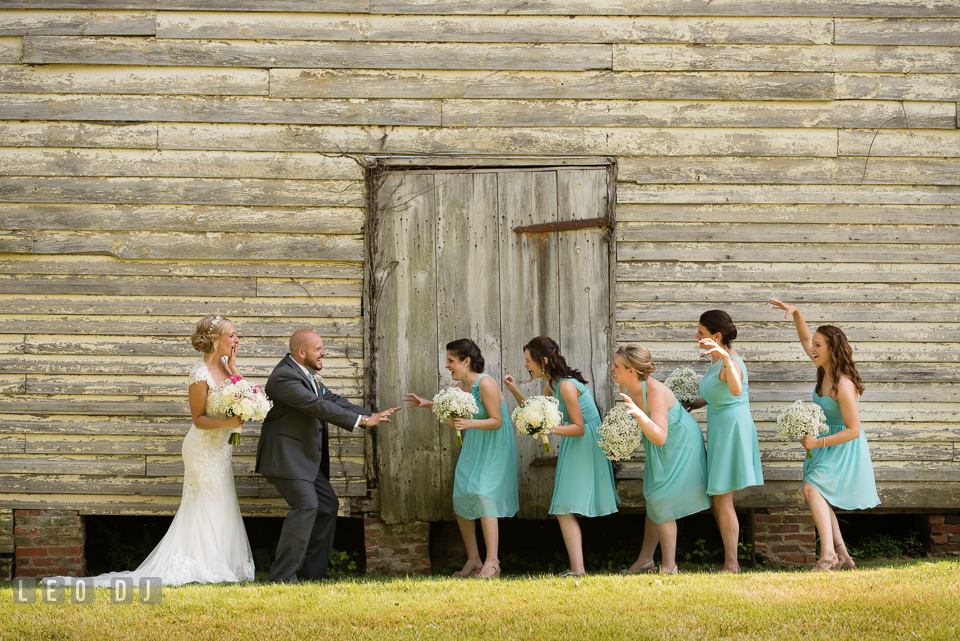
206	542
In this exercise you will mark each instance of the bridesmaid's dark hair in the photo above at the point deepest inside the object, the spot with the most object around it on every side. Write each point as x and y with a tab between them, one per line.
842	356
718	321
545	348
464	348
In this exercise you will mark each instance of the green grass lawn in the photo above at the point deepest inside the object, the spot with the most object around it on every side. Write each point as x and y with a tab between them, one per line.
895	600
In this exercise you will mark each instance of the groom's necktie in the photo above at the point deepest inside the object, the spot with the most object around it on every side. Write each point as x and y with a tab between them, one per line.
313	384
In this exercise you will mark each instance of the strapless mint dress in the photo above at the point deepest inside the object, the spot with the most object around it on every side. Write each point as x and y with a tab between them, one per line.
843	474
485	481
584	480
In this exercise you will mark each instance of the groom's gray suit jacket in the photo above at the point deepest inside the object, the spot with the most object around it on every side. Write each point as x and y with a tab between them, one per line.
293	440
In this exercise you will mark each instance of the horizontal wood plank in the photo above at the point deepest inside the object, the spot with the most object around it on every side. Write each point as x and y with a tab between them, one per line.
77	134
800	294
180	218
759	310
11	243
549	141
175	164
352	388
854	8
815	214
187	191
673	113
800	171
255	367
107	485
948	234
11	49
900	143
333	6
201	246
110	266
591	85
234	109
78	23
940	33
757	252
801	58
106	427
881	86
86	79
74	464
197	308
782	330
628	193
492	29
135	51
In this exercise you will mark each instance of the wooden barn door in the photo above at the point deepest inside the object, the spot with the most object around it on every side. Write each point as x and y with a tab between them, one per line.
447	263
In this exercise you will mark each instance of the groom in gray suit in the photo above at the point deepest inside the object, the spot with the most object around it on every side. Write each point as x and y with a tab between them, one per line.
292	454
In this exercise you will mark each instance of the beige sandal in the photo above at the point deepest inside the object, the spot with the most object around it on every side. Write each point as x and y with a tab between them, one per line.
468	569
847	563
490	564
647	568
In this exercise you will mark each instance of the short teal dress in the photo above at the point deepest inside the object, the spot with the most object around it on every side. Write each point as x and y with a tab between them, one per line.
485	481
584	480
843	474
675	473
733	451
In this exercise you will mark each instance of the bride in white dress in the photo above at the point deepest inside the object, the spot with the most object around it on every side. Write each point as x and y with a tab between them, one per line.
206	542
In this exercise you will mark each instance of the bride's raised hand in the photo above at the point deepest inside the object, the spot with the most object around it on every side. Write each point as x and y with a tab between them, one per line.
787	307
232	358
712	347
416	401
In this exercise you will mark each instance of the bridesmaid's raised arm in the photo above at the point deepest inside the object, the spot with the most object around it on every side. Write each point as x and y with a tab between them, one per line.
511	384
803	332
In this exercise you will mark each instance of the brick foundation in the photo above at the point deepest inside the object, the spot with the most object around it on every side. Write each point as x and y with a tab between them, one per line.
400	549
942	532
49	543
785	536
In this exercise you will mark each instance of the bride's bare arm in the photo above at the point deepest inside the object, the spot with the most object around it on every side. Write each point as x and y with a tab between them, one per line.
198	405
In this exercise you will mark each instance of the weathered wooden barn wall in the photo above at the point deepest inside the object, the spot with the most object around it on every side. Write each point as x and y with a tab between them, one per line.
164	159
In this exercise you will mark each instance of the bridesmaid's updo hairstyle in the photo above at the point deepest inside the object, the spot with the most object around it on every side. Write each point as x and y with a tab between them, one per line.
718	321
544	348
842	356
210	329
464	348
637	357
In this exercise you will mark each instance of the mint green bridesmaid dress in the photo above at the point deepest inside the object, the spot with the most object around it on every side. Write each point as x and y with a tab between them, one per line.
733	451
843	474
584	480
485	481
675	473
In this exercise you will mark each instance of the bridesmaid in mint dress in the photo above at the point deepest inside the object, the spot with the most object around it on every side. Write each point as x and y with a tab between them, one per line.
675	470
485	480
839	473
584	478
733	451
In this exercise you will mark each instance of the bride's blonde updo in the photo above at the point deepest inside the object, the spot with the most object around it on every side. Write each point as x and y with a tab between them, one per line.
637	357
210	329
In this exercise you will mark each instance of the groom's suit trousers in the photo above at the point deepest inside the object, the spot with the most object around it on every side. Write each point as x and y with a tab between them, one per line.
306	539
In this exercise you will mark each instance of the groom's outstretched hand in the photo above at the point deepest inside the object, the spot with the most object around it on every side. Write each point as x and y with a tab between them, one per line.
384	415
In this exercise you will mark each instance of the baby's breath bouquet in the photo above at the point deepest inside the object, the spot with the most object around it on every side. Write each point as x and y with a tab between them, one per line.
620	434
801	419
453	402
244	399
684	383
537	416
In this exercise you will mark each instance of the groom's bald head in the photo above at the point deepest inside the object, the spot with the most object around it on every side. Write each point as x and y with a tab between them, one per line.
306	347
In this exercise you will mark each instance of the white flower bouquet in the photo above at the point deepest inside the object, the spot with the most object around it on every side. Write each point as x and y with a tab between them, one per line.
620	434
243	399
453	402
684	383
537	416
801	419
